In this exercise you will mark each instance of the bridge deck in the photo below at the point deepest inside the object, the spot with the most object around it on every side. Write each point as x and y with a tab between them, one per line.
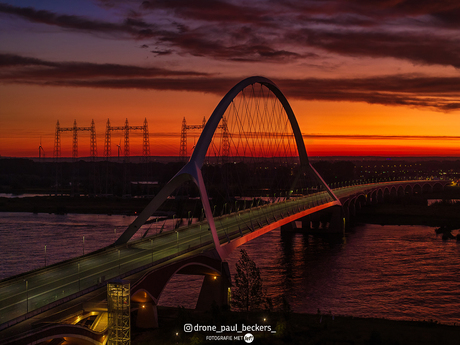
30	293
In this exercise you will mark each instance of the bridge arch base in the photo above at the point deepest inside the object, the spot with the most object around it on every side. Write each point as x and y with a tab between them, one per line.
215	288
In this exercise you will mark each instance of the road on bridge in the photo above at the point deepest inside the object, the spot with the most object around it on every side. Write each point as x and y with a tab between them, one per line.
46	287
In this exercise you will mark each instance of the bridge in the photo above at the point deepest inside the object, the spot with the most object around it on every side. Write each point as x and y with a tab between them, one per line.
248	174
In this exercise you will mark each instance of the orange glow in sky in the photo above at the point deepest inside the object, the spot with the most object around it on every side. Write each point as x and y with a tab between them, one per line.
353	90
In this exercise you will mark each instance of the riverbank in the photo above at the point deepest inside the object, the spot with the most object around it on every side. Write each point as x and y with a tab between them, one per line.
66	204
440	214
293	328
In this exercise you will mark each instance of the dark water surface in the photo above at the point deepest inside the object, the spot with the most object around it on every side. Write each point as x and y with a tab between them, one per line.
395	272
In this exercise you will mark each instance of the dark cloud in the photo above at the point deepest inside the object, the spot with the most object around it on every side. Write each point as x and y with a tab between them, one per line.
19	69
8	60
211	11
280	31
421	48
443	13
161	52
439	93
208	42
132	27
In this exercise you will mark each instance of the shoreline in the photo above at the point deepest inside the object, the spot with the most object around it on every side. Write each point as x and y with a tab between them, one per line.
67	204
436	215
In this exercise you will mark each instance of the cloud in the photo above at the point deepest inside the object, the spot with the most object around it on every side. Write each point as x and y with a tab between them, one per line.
439	93
421	48
211	11
365	13
161	52
277	31
132	27
19	69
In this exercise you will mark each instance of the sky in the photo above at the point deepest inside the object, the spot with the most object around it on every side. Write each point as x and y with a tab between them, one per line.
377	78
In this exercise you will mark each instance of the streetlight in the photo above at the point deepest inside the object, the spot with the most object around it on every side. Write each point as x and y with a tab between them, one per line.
45	255
78	268
151	245
27	295
177	241
119	264
83	245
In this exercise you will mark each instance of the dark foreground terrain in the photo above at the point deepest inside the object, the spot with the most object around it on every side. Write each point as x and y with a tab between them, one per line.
292	328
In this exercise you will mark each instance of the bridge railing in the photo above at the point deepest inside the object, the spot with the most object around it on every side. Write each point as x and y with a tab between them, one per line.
29	293
237	224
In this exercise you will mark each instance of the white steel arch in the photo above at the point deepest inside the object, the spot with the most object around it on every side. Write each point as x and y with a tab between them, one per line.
192	170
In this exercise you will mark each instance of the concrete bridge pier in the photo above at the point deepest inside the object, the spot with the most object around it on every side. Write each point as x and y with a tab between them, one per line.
215	289
315	223
337	222
329	221
305	222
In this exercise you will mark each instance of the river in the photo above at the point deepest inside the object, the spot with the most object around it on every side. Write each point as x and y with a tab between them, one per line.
395	272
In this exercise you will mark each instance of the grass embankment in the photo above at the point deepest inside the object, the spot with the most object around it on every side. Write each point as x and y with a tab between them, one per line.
295	329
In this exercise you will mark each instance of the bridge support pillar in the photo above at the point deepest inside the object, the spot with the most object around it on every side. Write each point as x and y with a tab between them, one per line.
215	289
337	223
288	227
315	224
306	222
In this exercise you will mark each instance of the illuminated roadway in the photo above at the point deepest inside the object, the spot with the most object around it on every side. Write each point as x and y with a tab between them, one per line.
40	290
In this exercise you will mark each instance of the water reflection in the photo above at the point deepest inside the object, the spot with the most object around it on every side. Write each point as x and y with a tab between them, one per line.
396	272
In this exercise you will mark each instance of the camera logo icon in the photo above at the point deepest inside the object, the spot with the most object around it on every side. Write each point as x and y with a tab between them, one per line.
248	338
188	327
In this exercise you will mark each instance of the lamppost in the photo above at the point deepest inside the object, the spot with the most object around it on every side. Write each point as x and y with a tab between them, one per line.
45	255
78	268
83	245
119	264
177	241
27	295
